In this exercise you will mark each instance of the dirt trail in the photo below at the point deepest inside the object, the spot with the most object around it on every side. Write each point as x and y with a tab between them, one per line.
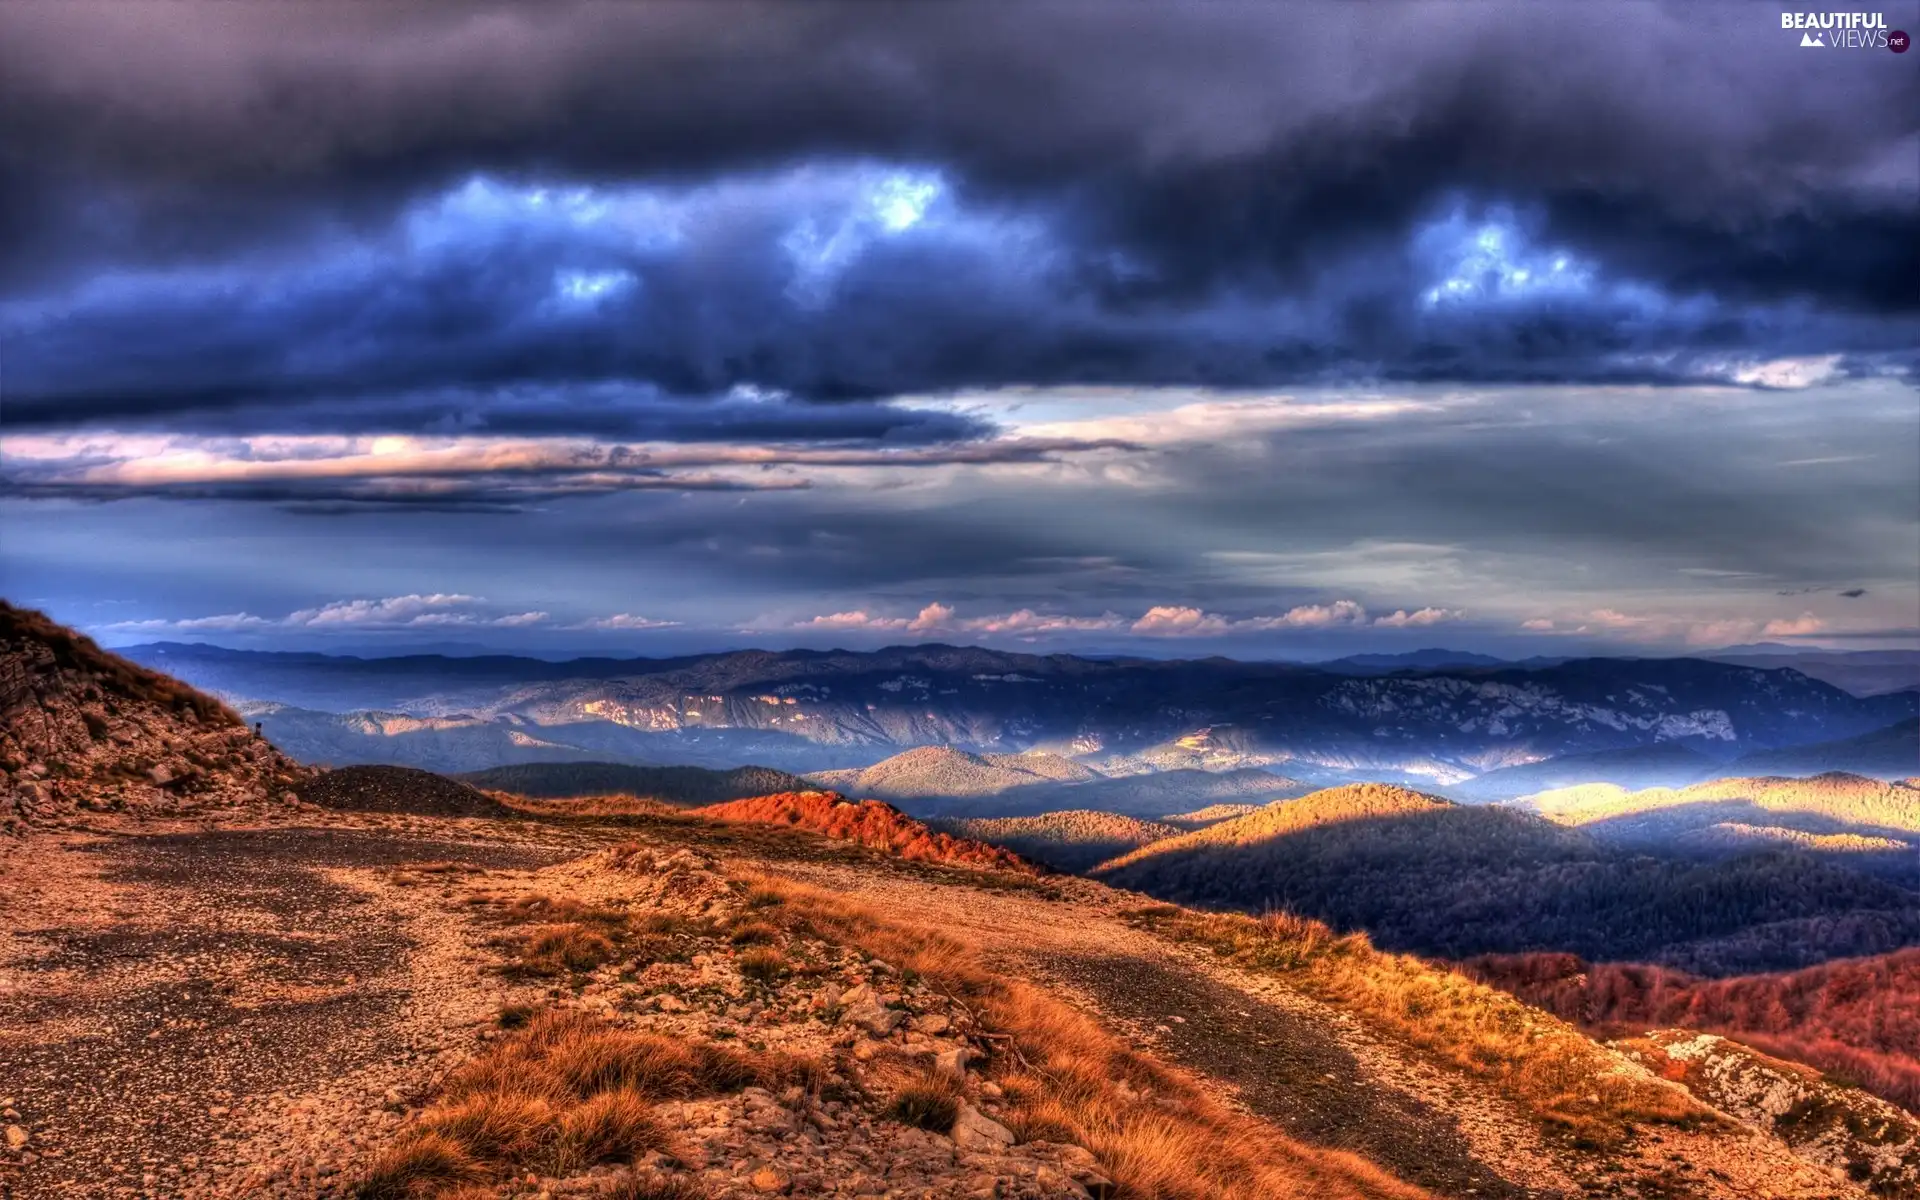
157	992
1287	1059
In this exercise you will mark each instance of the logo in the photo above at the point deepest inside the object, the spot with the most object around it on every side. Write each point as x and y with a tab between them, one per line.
1844	31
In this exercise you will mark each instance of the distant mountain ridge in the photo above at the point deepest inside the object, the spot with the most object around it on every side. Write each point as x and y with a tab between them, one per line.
941	780
813	710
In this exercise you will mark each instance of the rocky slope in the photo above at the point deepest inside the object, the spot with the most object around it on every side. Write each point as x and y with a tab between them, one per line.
1858	1137
81	729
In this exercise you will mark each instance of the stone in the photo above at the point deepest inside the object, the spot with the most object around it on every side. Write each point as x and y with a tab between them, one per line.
770	1179
953	1062
975	1130
932	1023
16	1137
160	775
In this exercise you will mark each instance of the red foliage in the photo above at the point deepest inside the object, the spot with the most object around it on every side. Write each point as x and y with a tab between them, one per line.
868	822
1857	1019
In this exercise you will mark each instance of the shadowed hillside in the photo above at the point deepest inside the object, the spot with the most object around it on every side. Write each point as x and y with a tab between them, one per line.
683	786
1890	753
1419	873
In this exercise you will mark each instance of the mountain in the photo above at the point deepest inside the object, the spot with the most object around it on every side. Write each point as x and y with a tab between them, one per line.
815	710
461	742
1412	660
679	786
942	772
1830	803
1862	672
943	781
84	729
1662	764
1420	873
1074	840
1892	752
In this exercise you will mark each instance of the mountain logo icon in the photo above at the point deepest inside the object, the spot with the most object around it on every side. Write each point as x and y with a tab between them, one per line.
1813	39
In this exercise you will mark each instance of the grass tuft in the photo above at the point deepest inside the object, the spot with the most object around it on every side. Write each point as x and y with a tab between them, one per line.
612	1126
930	1100
763	965
422	1166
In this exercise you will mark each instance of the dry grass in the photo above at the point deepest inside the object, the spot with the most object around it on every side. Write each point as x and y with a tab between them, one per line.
928	1100
422	1167
1570	1083
611	1126
1154	1130
568	937
608	808
753	933
562	949
567	1092
762	965
644	1188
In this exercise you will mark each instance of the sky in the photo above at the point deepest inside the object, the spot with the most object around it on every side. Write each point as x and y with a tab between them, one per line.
1270	331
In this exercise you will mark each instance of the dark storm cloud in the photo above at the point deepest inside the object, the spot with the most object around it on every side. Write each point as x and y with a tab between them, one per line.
1223	194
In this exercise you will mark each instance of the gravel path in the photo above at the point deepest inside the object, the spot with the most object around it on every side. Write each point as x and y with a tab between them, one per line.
156	988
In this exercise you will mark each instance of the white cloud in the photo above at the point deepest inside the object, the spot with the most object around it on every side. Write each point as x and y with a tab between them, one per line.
412	611
1800	626
1401	618
624	622
1656	628
1162	620
1789	373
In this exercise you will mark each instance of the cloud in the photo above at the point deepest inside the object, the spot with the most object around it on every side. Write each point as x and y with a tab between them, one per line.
1401	618
1666	628
474	472
1162	620
623	622
1800	626
497	222
414	611
939	618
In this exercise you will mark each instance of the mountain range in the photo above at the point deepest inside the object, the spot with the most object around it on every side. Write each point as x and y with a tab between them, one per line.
804	710
1418	872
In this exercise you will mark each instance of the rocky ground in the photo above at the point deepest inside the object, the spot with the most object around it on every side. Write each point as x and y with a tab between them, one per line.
195	1012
